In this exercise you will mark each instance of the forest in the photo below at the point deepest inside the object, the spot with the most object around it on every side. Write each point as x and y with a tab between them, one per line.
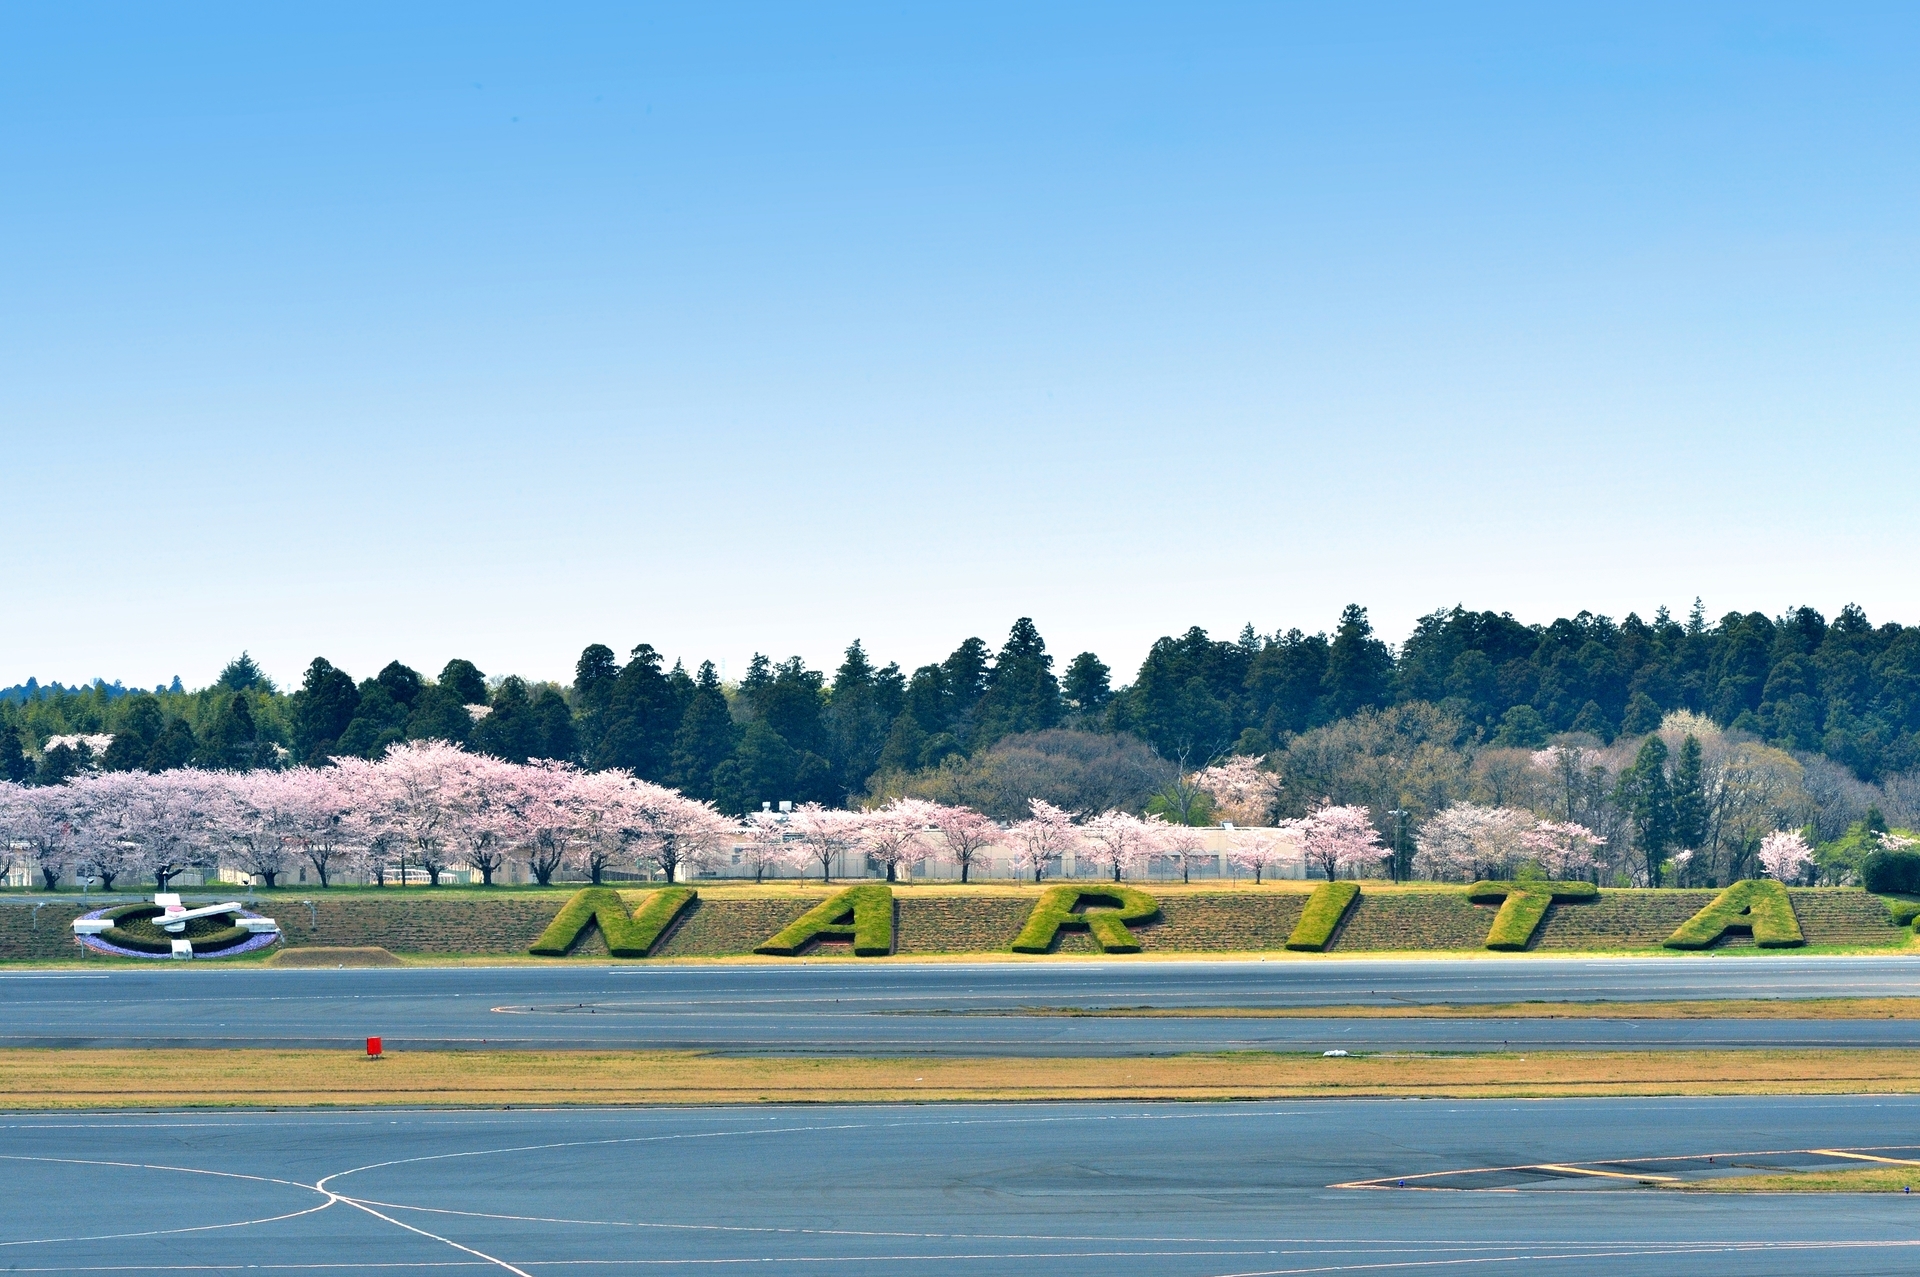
1804	721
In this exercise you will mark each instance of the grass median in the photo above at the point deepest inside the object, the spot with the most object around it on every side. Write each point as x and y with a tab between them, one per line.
37	1079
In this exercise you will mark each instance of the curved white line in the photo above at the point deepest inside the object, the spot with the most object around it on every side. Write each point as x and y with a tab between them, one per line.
181	1170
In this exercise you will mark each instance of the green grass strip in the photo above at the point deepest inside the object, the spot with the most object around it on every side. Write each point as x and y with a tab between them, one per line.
1903	908
1523	905
627	936
1103	911
1325	907
1759	905
863	915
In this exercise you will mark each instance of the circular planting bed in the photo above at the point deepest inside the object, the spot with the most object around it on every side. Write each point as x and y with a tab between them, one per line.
135	934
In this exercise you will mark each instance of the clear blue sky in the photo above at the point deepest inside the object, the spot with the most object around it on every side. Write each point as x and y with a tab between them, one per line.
493	331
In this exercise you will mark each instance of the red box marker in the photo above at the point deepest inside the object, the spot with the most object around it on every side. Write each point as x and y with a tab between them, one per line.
373	1048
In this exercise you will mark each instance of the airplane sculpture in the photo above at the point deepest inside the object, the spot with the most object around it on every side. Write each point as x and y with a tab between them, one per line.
174	917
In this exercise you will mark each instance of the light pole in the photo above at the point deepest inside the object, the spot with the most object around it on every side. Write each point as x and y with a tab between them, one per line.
1399	838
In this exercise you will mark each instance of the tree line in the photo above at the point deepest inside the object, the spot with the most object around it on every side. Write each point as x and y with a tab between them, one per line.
1842	690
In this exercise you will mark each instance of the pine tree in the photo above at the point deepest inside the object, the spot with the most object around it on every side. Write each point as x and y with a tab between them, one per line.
706	738
1022	694
1689	797
1648	798
1358	665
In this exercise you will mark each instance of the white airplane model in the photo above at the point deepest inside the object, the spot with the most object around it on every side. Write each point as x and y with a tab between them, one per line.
174	918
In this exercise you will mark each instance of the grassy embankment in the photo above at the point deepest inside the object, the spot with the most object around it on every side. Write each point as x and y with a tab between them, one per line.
49	1079
947	921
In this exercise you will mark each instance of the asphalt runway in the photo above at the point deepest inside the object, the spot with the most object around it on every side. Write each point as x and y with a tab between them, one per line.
942	1009
1191	1190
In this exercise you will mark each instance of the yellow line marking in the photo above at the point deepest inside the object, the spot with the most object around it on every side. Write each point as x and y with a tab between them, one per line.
1581	1170
1863	1157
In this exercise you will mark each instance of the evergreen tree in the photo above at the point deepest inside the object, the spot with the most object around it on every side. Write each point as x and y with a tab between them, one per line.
760	771
860	712
321	709
511	730
134	736
1022	694
1646	795
1359	666
242	675
174	747
706	738
1689	797
404	685
553	725
14	763
905	741
466	682
1086	685
641	717
594	677
441	713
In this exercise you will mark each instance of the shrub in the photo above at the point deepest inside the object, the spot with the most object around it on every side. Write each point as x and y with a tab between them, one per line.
862	914
1891	870
1072	908
1903	911
134	928
1759	905
1523	905
1325	907
627	937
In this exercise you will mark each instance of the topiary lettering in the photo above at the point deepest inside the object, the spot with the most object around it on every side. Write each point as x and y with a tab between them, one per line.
1760	906
628	935
862	914
1105	912
1522	906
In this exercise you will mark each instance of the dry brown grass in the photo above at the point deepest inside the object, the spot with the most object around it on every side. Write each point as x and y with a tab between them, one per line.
1729	1009
1871	1179
54	1079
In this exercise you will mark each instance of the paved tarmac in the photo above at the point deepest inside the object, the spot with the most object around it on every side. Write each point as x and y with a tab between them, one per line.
1192	1190
946	1009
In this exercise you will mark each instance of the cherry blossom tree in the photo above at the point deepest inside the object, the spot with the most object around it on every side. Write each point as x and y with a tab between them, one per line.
1186	847
1471	842
43	820
614	811
131	824
767	847
825	833
1118	842
1264	850
1784	854
247	814
548	816
478	825
1337	838
1564	848
418	782
673	835
14	819
966	832
319	816
1042	839
892	835
1241	789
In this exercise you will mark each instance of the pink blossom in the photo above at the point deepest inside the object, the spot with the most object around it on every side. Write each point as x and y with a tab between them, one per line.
1043	838
966	833
1338	838
1784	854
